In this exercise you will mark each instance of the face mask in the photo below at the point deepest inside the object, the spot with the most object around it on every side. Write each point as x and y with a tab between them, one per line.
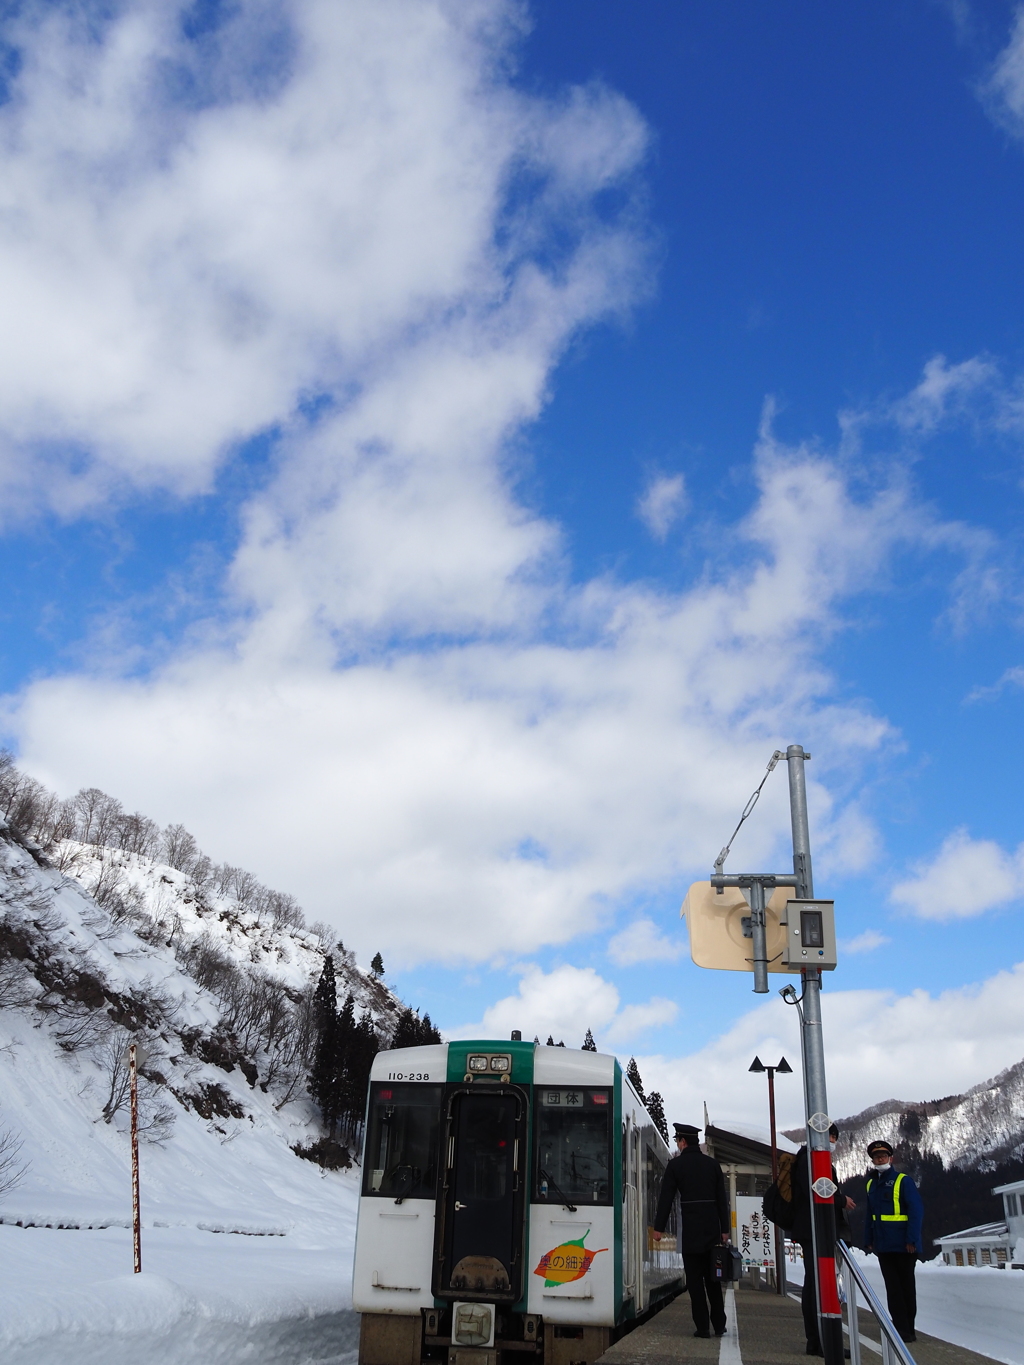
886	1167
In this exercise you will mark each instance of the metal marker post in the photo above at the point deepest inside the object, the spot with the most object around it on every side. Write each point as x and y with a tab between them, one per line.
822	1188
133	1073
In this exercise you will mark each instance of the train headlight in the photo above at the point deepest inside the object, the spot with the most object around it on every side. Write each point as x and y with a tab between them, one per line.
473	1324
502	1062
476	1063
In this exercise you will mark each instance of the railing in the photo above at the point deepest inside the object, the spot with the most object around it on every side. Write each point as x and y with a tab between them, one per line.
894	1349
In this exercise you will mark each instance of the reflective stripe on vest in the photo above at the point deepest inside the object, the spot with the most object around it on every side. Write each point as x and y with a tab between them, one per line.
895	1216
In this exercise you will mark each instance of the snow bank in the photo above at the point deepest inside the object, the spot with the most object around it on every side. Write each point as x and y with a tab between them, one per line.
201	1297
976	1307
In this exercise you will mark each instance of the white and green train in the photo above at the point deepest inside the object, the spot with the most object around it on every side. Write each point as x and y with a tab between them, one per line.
508	1192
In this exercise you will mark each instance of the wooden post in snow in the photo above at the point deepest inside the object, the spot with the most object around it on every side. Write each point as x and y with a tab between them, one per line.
133	1073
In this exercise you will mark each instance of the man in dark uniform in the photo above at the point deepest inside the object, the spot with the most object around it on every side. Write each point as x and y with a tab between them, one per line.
704	1216
892	1230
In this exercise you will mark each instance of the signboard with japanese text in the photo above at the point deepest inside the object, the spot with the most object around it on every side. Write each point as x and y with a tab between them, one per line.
754	1233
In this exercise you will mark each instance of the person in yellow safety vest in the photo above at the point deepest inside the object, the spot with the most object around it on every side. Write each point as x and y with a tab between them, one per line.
892	1230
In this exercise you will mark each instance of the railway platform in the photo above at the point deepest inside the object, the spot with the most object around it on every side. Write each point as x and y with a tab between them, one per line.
764	1329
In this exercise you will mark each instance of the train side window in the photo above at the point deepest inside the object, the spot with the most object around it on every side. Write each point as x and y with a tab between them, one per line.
573	1146
655	1165
402	1137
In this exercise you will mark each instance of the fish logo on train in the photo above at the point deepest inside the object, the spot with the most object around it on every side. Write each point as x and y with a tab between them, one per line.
566	1263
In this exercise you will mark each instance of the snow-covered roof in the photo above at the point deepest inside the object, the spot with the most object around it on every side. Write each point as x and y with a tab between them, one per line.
1014	1187
756	1134
983	1232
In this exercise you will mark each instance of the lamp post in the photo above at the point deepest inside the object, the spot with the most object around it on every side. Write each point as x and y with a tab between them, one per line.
784	1069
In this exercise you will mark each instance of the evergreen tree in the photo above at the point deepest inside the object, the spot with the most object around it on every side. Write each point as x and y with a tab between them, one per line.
562	1044
407	1030
550	1042
364	1047
377	965
633	1075
588	1042
656	1109
412	1031
344	1050
324	1078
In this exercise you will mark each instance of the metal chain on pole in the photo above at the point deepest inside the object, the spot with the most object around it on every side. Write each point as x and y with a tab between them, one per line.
748	808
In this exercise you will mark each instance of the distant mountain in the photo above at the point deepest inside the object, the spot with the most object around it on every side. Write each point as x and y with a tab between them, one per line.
976	1131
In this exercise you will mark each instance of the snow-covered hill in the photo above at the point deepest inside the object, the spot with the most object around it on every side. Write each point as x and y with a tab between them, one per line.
219	996
101	946
978	1130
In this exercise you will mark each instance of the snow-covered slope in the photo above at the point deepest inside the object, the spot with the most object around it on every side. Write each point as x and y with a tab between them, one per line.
223	1097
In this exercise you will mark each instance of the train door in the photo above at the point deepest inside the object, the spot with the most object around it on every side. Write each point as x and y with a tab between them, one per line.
482	1207
630	1204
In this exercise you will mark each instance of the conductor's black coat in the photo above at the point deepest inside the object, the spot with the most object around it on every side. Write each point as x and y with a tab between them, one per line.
703	1202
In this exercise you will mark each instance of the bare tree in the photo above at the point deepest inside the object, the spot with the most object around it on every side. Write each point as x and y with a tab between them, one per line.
12	1169
156	1115
179	849
113	1060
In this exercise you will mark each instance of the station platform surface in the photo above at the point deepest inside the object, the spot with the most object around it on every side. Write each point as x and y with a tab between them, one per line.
764	1329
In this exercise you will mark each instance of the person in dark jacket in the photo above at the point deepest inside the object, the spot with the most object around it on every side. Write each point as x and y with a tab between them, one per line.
704	1222
892	1230
802	1232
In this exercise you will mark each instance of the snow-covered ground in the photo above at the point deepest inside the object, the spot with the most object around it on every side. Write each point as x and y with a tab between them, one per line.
977	1307
71	1296
247	1250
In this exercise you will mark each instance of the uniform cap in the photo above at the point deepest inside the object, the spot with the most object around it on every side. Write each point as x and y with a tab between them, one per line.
878	1146
686	1130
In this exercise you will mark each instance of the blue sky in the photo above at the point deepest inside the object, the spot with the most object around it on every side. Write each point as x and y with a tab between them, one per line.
446	448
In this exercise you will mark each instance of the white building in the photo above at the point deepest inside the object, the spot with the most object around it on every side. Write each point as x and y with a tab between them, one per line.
1013	1212
987	1244
998	1244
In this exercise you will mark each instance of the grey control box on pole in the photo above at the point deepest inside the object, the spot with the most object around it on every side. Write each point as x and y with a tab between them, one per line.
810	935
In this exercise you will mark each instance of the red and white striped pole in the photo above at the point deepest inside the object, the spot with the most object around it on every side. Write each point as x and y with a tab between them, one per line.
133	1073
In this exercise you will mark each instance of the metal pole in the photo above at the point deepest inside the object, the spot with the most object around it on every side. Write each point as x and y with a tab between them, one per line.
136	1214
760	941
819	1151
780	1271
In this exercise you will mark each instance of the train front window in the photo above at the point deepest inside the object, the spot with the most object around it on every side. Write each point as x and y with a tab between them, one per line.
402	1141
573	1146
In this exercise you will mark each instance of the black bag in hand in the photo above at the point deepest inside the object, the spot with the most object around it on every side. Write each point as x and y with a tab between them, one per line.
726	1262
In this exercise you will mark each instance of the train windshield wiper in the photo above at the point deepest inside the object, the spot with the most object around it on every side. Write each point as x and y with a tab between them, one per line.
565	1203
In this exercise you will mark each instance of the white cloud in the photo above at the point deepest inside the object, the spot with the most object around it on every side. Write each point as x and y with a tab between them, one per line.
662	503
403	709
944	390
878	1045
446	801
965	878
563	1004
198	235
1011	677
865	942
641	941
1003	93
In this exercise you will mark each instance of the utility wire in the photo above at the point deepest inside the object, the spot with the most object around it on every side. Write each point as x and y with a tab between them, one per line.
720	860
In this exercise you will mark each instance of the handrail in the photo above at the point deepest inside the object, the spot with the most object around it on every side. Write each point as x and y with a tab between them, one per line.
894	1349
